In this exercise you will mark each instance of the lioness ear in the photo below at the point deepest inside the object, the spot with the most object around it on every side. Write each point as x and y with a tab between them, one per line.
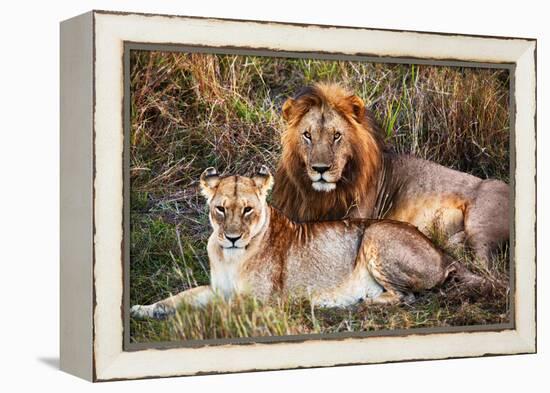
357	107
288	108
263	180
210	179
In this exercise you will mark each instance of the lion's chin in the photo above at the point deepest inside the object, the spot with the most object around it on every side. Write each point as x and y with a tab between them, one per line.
233	252
323	186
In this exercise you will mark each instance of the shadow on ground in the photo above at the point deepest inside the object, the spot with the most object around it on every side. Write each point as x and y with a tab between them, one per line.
52	362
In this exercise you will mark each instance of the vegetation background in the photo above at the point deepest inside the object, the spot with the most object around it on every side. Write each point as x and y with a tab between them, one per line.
192	111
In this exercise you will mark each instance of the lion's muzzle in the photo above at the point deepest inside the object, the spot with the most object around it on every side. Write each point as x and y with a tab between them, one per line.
321	177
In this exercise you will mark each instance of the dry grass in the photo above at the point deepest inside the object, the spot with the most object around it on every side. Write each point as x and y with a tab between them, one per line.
191	111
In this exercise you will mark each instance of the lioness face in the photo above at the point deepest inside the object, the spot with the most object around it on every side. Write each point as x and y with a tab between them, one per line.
324	146
237	206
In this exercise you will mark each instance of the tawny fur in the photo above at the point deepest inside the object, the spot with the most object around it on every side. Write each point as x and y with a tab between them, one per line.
256	250
329	126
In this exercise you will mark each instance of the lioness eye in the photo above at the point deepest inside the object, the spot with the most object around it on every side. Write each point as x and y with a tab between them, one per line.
247	210
307	135
337	136
220	209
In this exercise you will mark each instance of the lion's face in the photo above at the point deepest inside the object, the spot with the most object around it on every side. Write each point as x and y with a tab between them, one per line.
238	208
331	154
324	146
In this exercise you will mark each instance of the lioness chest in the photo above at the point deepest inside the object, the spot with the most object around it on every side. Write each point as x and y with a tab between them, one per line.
234	272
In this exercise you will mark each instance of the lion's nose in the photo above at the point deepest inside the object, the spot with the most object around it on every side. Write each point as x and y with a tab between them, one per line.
320	168
233	238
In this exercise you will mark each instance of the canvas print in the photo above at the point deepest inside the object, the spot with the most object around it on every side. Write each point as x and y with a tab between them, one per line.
277	196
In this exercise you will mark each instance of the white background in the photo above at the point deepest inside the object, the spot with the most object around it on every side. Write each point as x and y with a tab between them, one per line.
29	196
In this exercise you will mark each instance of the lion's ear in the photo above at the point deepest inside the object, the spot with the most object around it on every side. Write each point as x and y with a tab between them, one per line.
288	108
357	107
263	180
210	179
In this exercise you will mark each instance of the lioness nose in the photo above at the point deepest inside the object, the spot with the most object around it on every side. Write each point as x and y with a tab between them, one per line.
233	238
321	168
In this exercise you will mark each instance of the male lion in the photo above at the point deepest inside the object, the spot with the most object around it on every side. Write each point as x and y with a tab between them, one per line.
334	165
256	250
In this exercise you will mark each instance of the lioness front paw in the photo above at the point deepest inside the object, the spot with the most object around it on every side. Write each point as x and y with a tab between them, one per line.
140	312
163	311
155	311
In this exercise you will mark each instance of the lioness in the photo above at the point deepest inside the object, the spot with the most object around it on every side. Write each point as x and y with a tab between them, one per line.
256	250
335	165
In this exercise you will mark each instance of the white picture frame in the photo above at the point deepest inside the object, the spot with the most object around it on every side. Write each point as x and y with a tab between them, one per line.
92	194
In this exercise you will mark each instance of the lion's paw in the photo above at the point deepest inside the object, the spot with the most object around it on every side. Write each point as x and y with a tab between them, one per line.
326	302
154	311
140	312
163	311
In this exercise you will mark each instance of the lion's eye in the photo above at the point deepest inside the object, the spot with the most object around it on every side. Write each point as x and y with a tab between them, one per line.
247	210
337	136
220	209
307	135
